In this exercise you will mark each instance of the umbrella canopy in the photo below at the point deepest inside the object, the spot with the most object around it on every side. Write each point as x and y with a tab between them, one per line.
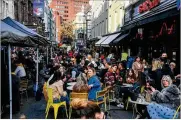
10	35
40	40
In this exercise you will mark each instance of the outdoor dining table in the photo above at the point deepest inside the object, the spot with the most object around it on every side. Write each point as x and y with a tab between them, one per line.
138	102
127	85
71	83
69	87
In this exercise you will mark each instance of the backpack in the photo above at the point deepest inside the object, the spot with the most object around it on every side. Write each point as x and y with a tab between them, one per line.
130	62
77	71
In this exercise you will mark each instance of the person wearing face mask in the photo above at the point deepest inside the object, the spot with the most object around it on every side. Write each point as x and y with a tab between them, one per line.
164	58
166	102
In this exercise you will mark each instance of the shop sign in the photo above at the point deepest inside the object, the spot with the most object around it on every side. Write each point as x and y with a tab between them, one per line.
38	8
148	5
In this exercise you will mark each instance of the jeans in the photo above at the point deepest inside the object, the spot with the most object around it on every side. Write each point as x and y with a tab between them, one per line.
62	98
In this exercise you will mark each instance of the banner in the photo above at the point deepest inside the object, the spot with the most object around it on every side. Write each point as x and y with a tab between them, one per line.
38	8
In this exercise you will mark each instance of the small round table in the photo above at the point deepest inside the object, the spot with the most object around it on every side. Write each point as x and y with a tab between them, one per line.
142	102
127	85
71	83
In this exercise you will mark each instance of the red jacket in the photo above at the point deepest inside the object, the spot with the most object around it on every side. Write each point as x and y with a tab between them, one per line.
111	78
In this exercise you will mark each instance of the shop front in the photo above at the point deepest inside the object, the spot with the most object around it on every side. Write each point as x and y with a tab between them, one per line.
154	26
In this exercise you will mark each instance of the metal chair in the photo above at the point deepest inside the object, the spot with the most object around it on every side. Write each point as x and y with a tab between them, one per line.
54	105
23	88
177	111
100	94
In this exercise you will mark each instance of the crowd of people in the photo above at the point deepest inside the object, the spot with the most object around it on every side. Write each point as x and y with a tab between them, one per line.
92	73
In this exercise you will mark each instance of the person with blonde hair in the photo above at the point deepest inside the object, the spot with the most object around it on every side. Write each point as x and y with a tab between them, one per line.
81	85
86	109
155	73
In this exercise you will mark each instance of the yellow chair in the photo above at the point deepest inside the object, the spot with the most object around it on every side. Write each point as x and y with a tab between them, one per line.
73	95
107	95
177	111
54	105
100	94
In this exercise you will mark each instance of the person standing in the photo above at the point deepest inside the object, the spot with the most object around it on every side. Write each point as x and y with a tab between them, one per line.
137	66
15	91
20	71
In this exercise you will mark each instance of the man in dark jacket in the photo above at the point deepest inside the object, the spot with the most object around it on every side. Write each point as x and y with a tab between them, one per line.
15	91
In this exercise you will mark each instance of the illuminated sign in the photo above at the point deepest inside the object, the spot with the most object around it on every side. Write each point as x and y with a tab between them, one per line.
148	5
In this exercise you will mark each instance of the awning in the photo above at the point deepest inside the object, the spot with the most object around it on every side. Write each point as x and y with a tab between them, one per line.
101	40
109	39
10	35
40	39
20	27
120	38
7	28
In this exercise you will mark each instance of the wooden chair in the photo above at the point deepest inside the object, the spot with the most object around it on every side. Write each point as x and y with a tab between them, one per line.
177	111
54	105
73	95
23	88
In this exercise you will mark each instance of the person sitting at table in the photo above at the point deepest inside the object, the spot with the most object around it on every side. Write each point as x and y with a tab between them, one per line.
130	77
86	110
166	102
81	85
146	94
57	86
94	84
132	92
111	77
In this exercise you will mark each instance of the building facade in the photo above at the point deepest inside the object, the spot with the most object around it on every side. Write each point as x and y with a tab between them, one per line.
116	15
7	9
65	11
99	18
23	13
49	20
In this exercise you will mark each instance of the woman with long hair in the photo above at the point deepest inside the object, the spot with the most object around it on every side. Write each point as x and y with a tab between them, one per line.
131	76
156	73
57	86
81	85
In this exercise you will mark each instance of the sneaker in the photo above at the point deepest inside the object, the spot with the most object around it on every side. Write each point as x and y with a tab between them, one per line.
117	101
120	106
138	116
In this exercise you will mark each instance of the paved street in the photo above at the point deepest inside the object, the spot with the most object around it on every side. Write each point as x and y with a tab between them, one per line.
36	110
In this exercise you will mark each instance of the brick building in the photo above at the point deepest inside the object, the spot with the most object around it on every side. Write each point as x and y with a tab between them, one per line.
23	13
65	11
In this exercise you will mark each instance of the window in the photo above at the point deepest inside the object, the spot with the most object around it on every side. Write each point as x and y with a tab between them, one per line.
65	15
66	7
65	11
6	9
